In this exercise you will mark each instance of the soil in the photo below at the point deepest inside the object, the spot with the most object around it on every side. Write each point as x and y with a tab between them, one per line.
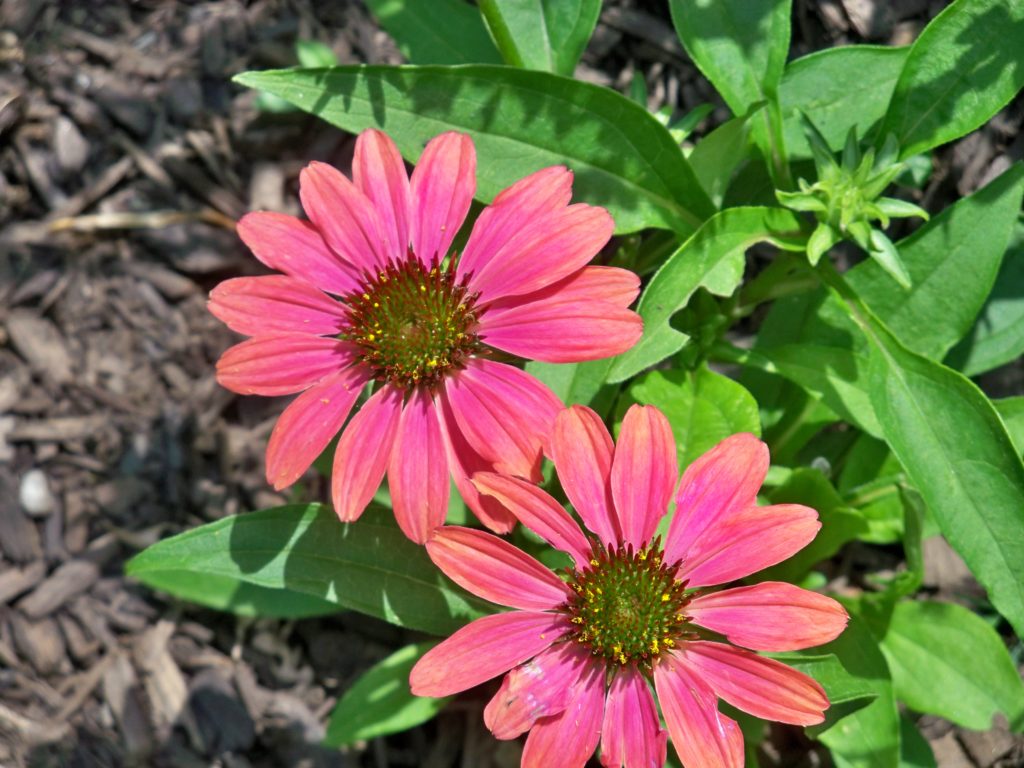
125	157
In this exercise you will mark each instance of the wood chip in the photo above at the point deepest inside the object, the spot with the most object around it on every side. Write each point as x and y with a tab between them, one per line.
123	693
69	580
42	346
16	581
59	429
40	643
19	538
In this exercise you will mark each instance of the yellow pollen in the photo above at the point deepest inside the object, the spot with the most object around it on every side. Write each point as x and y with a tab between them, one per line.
366	296
666	597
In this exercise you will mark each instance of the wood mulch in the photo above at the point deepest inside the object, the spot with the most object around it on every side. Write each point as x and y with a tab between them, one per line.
125	157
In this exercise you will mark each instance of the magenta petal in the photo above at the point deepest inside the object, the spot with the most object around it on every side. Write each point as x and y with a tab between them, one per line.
771	616
346	218
464	462
418	473
632	736
505	414
443	185
537	511
296	248
582	450
546	190
484	649
363	452
644	472
762	687
309	422
748	541
379	173
701	735
568	739
275	304
724	480
543	250
538	688
281	363
495	570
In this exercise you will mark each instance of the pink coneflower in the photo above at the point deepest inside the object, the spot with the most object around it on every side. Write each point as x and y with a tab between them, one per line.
584	651
370	293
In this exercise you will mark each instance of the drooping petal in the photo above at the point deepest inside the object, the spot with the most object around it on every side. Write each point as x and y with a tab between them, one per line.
443	185
559	329
748	541
568	739
379	173
644	472
296	248
275	304
771	616
723	481
464	462
495	570
418	472
484	649
363	452
582	450
632	736
701	735
281	363
546	190
346	218
309	423
543	250
762	687
537	511
538	688
505	414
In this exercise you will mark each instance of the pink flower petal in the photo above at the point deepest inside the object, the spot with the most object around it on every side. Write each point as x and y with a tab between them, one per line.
722	481
538	688
537	511
762	687
346	218
596	283
296	248
379	173
701	735
275	304
363	452
582	450
644	472
484	649
748	541
495	570
543	250
309	422
632	736
463	462
281	363
568	739
418	474
505	414
546	190
561	329
443	185
772	616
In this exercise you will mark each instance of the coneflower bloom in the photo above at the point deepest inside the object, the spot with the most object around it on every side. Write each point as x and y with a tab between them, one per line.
371	293
585	650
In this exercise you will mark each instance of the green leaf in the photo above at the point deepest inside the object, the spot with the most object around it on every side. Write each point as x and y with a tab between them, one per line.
439	32
713	259
718	154
947	661
998	334
888	258
830	86
956	452
548	35
576	383
1011	411
311	53
962	69
702	406
380	701
521	121
367	566
915	751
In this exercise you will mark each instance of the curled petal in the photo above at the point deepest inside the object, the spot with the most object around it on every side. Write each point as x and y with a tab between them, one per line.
379	173
418	472
568	739
484	649
771	616
443	185
632	736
